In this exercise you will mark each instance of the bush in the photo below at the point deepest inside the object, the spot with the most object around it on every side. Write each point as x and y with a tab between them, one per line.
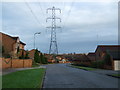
26	56
78	63
22	56
107	59
7	56
98	64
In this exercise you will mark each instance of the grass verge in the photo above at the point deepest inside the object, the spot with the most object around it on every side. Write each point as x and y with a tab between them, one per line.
116	75
35	64
31	78
84	68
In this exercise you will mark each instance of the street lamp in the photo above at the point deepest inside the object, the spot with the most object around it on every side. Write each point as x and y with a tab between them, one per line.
34	37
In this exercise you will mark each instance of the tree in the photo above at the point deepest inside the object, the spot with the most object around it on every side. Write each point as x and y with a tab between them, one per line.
26	56
36	56
43	59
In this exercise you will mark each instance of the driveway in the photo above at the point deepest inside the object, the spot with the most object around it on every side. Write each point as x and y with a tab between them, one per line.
62	76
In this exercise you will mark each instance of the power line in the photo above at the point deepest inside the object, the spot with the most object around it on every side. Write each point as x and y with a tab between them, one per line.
41	8
32	13
68	14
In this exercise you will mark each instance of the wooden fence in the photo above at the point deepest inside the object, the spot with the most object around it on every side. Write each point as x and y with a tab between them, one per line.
15	63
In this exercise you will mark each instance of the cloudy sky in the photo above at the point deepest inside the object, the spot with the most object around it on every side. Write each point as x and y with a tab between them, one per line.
84	24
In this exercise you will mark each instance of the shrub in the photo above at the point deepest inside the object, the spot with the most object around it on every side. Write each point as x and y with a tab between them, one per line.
7	56
98	64
107	59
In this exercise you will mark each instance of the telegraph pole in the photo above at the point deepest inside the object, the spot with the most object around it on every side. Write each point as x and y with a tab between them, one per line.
53	43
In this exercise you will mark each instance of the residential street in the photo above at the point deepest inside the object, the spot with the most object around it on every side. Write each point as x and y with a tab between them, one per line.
62	76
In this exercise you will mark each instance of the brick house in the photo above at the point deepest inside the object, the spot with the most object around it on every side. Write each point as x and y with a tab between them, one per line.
50	58
103	49
81	59
113	51
10	45
31	53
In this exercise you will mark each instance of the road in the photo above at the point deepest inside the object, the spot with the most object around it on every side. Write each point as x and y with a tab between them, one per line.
62	76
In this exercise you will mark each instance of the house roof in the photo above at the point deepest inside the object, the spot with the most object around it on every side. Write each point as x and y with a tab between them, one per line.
114	54
108	47
14	38
91	54
22	43
80	57
113	50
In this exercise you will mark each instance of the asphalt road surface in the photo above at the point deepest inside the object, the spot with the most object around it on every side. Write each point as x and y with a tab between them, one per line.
62	76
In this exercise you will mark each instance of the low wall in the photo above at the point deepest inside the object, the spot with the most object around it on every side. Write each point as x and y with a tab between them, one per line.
15	63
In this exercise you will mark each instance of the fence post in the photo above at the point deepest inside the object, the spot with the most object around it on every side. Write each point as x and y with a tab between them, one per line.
11	62
23	63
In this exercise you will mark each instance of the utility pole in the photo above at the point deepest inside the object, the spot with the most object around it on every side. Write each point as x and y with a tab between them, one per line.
53	43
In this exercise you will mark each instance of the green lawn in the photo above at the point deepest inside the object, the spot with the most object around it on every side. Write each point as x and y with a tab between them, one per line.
117	75
85	68
35	65
31	78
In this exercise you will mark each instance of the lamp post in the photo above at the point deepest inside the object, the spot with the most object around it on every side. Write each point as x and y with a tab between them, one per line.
34	37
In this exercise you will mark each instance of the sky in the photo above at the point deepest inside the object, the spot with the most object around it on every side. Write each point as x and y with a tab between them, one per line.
84	24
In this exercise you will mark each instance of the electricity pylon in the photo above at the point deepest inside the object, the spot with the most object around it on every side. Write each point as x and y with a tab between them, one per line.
53	43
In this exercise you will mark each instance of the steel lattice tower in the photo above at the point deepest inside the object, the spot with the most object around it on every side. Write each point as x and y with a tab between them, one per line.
53	43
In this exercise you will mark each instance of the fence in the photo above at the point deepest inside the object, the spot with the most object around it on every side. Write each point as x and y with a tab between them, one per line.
15	63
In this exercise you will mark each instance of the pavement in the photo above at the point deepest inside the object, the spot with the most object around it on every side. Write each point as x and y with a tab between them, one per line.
102	71
106	72
62	76
10	70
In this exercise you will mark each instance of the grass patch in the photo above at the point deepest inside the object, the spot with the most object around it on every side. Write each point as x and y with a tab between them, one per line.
84	68
35	65
117	75
31	78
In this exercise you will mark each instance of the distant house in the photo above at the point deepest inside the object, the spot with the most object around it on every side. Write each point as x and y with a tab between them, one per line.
31	53
50	58
11	45
113	51
91	56
81	59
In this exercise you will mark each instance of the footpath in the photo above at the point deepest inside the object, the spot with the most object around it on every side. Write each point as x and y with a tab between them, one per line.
104	72
10	70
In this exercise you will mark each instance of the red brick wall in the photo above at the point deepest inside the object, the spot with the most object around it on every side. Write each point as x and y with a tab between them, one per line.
15	63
